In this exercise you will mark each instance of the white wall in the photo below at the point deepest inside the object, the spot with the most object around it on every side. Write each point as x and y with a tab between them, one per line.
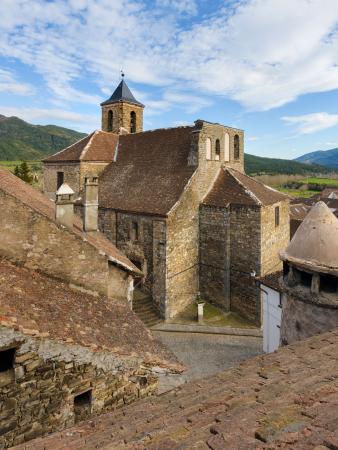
272	315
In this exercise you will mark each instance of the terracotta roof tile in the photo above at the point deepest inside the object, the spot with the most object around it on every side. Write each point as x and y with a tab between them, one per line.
150	172
97	146
283	400
72	316
234	187
34	199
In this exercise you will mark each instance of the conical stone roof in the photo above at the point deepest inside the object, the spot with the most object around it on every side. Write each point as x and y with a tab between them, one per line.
315	244
122	94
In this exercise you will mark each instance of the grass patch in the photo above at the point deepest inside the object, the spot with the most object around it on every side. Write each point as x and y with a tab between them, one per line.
296	192
212	317
34	166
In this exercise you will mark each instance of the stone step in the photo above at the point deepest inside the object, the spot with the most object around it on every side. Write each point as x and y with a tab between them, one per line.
146	311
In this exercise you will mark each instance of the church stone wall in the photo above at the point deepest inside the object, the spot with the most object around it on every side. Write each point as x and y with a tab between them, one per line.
71	177
121	116
37	395
44	245
245	244
274	238
215	255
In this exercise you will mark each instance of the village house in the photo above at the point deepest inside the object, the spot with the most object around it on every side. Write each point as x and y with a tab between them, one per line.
177	203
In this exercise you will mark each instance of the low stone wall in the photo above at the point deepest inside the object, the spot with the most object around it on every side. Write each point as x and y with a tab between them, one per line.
53	385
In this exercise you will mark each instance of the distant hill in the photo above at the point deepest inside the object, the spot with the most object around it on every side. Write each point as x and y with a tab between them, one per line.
328	158
256	165
20	140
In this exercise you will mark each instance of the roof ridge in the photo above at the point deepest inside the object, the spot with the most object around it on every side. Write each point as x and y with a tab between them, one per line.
248	191
84	151
66	148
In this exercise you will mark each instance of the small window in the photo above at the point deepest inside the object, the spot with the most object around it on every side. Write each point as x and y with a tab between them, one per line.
328	283
133	122
236	146
7	359
208	148
226	147
305	278
217	150
60	179
286	268
134	235
277	216
110	120
82	404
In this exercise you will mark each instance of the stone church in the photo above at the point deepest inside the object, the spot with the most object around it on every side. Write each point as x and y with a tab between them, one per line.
177	202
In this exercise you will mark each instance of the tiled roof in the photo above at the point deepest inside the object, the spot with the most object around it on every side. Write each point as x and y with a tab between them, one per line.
97	146
272	280
34	199
40	306
150	172
283	400
122	94
234	187
298	211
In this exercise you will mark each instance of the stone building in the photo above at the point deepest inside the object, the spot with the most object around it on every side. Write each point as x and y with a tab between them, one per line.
156	198
310	280
50	238
66	355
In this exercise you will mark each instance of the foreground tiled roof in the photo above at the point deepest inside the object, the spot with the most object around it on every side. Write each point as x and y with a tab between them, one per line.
97	146
34	199
234	187
37	305
150	172
283	400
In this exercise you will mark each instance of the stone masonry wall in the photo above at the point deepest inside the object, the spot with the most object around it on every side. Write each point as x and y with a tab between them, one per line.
42	244
215	255
149	251
37	395
121	116
274	238
245	244
71	177
183	220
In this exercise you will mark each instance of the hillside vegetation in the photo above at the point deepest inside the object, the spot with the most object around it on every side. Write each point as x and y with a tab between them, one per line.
328	158
20	140
257	165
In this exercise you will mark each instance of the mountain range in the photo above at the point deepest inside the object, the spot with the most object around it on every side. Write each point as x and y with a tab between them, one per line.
20	140
328	158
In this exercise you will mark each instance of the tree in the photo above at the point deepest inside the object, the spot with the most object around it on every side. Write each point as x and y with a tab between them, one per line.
23	172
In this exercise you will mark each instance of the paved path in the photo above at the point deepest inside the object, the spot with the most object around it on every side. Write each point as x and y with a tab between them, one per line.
206	354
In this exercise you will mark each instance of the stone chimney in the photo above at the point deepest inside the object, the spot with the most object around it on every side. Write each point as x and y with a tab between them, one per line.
64	205
91	204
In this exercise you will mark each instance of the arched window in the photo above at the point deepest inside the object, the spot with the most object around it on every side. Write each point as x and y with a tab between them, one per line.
236	146
133	122
217	150
208	148
110	120
226	147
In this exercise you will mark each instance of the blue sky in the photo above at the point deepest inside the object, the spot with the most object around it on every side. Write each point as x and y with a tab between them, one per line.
269	67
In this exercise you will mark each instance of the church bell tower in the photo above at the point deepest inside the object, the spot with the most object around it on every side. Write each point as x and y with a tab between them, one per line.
122	113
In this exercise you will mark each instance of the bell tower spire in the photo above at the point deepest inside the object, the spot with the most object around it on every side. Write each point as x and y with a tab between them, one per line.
122	113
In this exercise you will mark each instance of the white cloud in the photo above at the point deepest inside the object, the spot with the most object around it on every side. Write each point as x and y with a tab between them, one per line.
79	121
261	53
10	85
311	123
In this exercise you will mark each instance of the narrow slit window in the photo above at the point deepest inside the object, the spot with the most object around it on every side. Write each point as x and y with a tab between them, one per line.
134	231
277	216
226	147
217	150
7	358
236	147
328	283
60	179
110	120
133	122
305	278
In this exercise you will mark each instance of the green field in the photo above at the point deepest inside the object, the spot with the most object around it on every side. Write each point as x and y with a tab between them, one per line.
321	181
296	192
35	166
